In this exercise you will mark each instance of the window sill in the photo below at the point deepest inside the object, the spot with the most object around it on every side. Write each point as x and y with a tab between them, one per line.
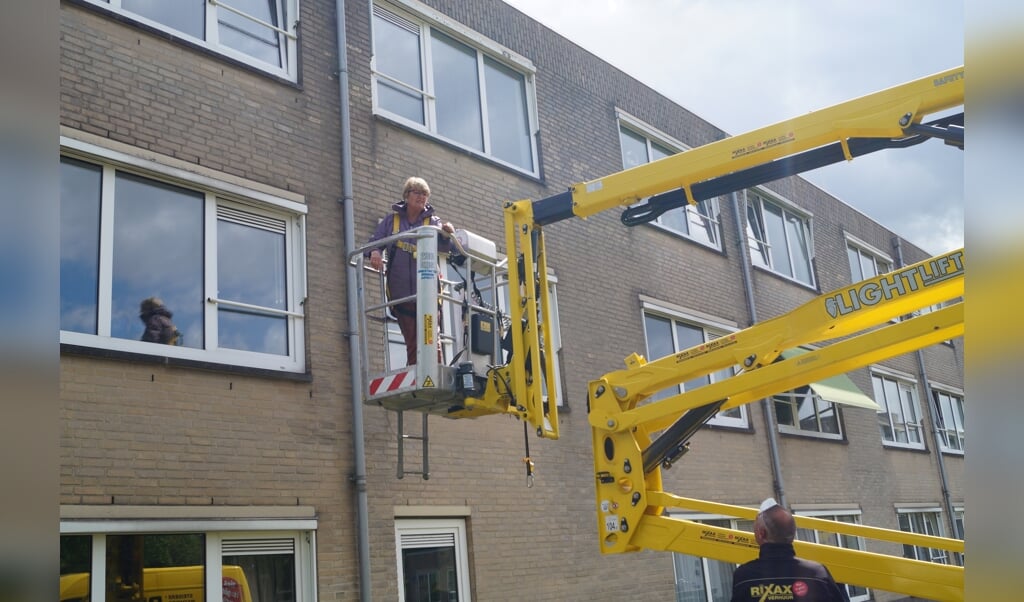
791	432
901	447
144	358
785	278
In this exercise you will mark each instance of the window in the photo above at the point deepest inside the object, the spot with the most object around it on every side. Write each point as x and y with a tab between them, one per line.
667	334
700	579
849	542
900	416
641	144
803	410
456	85
958	518
257	566
433	563
779	239
926	522
227	267
866	263
950	411
261	33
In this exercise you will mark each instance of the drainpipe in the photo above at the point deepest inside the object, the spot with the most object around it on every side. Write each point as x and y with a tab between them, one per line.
359	471
947	501
766	405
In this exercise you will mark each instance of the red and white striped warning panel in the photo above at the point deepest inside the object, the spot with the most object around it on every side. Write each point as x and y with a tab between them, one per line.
393	382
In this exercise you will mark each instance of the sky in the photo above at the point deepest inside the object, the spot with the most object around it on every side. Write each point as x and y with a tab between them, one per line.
745	64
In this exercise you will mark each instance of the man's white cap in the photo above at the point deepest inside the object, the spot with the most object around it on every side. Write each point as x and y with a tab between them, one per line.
768	504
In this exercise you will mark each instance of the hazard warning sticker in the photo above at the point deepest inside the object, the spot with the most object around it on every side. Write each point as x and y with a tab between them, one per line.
428	382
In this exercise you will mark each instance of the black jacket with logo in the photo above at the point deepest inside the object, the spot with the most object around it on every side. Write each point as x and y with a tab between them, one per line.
778	575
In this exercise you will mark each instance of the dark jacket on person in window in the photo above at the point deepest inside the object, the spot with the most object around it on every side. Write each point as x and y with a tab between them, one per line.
157	318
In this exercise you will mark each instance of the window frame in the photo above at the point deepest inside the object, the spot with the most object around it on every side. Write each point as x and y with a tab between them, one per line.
958	430
833	515
708	326
652	136
734	523
791	398
302	532
425	526
863	250
758	235
428	20
287	35
256	200
925	514
904	382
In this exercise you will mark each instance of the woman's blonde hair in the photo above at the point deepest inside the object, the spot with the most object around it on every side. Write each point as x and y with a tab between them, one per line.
415	183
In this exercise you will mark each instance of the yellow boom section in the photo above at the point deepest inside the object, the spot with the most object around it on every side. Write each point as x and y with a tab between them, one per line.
885	114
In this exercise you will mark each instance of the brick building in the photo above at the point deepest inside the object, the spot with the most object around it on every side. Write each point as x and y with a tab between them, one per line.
204	162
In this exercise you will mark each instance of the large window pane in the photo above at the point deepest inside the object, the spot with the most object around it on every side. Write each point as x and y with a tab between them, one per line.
659	344
634	148
270	577
799	247
507	115
186	16
251	270
158	252
430	574
776	231
155	567
75	567
248	36
457	90
79	245
397	54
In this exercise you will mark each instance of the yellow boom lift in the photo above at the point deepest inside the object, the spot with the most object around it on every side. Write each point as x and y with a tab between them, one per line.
635	438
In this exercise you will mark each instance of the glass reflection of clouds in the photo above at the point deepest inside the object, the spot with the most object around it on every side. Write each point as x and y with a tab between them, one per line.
79	245
248	36
158	251
251	270
187	16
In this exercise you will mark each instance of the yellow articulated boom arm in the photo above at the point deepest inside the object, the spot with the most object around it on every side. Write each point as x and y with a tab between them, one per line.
628	460
854	326
890	118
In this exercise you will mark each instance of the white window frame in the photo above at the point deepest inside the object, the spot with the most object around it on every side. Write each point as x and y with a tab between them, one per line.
789	397
904	382
833	516
936	528
958	430
734	523
287	34
864	250
226	192
419	15
654	136
438	528
758	238
710	326
302	532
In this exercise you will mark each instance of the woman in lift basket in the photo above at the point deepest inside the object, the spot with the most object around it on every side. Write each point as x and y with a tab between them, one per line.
413	211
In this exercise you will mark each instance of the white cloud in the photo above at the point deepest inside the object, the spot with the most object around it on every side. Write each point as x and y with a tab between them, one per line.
744	64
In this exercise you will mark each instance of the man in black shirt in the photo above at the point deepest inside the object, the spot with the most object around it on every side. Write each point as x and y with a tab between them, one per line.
777	574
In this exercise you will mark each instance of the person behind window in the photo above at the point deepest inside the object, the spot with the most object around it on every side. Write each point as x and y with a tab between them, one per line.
157	318
412	211
777	573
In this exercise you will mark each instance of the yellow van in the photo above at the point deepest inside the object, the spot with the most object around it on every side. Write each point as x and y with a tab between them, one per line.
171	584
